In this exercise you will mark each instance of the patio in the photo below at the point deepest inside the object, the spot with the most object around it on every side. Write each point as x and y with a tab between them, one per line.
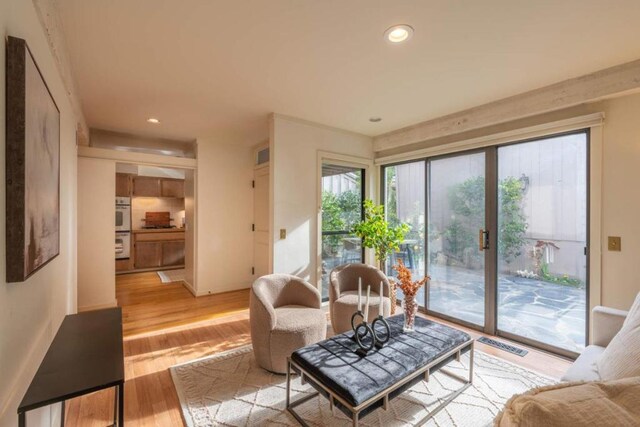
547	312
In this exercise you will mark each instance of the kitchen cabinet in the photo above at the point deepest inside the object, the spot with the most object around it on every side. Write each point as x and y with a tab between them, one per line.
172	188
148	255
158	249
173	253
146	186
123	185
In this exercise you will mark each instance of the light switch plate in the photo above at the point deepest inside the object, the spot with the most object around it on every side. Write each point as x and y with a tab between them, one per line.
614	243
283	233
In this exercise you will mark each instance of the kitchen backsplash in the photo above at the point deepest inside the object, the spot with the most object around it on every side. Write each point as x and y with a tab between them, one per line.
141	205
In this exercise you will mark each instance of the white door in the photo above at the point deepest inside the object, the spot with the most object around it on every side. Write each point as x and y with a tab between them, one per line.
261	222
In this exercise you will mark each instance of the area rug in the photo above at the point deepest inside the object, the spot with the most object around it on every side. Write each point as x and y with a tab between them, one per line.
229	389
169	276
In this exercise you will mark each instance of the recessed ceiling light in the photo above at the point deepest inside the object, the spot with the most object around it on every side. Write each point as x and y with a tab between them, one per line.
375	119
153	120
398	33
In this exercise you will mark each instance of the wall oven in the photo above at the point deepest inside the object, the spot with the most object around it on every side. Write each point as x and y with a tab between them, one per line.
123	213
123	244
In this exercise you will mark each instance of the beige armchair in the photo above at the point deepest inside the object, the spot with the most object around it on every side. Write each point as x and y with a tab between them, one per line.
285	315
343	294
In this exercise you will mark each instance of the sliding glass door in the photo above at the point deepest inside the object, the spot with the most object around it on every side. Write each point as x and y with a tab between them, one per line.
455	219
542	241
404	186
503	235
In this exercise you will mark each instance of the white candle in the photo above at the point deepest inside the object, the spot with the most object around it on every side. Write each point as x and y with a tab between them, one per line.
366	307
359	293
380	308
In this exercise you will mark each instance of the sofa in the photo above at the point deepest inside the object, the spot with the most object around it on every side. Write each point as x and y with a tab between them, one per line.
285	314
607	322
601	388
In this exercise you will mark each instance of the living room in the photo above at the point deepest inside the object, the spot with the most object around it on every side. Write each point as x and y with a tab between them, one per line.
506	189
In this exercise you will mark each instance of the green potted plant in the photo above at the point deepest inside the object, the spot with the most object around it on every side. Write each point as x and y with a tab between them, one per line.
377	234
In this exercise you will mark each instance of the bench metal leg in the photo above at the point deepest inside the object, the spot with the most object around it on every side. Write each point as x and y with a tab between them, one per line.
355	419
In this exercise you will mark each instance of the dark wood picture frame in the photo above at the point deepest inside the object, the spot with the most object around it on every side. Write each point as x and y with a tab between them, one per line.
32	166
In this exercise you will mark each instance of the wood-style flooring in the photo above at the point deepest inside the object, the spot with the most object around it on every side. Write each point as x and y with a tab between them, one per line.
165	325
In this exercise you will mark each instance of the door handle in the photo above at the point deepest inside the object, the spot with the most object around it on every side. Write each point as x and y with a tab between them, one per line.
483	239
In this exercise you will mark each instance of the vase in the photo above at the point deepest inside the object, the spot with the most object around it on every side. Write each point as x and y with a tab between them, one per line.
410	308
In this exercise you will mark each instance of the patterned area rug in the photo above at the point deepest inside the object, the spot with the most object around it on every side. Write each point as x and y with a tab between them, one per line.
229	389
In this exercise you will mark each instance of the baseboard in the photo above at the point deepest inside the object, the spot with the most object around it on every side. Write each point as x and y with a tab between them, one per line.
190	288
223	290
113	303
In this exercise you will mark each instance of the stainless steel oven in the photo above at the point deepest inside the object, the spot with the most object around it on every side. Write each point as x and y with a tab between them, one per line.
123	244
123	213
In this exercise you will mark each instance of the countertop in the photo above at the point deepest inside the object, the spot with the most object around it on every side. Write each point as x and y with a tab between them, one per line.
158	230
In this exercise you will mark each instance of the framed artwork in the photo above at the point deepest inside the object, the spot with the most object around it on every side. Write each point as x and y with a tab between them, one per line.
32	166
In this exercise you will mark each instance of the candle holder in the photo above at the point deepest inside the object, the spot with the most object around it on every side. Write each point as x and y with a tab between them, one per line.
379	343
360	333
353	322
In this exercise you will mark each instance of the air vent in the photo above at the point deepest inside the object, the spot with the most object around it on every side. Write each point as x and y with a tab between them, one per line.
502	346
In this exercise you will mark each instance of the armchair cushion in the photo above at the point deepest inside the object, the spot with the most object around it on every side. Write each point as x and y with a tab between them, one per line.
585	367
621	358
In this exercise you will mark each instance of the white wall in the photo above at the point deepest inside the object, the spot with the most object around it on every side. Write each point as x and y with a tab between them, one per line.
620	200
294	169
31	312
96	232
224	215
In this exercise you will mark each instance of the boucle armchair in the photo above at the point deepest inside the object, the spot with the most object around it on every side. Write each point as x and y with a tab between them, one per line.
285	315
343	294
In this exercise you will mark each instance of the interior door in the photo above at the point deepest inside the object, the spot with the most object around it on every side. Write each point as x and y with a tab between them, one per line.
261	222
457	237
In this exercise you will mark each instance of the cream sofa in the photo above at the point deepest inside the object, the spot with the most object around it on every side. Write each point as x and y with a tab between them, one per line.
285	314
606	324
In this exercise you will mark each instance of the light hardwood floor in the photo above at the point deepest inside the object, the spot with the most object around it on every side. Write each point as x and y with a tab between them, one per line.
165	325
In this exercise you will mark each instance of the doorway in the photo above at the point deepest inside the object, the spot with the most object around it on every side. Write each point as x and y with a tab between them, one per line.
504	237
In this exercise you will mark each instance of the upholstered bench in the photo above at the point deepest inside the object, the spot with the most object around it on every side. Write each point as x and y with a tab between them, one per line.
358	385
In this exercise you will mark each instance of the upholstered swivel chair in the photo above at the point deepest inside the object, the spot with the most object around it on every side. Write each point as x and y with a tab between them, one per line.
285	315
343	294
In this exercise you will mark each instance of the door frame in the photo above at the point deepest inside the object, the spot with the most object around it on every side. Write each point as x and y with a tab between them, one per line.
591	125
368	192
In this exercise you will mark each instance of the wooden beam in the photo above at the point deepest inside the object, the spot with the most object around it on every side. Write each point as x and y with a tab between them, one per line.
568	93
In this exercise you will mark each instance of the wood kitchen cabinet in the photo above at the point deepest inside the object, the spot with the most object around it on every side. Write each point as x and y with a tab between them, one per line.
146	186
148	255
123	185
173	253
172	188
158	249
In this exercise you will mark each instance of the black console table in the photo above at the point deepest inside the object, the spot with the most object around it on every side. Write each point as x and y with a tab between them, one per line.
85	356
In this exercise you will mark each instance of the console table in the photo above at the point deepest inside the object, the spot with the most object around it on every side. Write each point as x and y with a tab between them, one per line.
86	355
358	385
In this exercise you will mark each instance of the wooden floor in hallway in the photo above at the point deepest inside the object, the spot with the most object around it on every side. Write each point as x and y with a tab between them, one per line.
164	325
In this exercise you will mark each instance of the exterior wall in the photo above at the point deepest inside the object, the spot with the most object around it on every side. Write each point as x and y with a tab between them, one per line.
31	311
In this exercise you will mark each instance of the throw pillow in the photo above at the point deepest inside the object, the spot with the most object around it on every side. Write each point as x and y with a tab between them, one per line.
621	358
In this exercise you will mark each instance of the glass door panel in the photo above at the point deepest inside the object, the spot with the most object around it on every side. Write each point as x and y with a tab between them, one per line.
342	197
456	217
405	203
542	240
